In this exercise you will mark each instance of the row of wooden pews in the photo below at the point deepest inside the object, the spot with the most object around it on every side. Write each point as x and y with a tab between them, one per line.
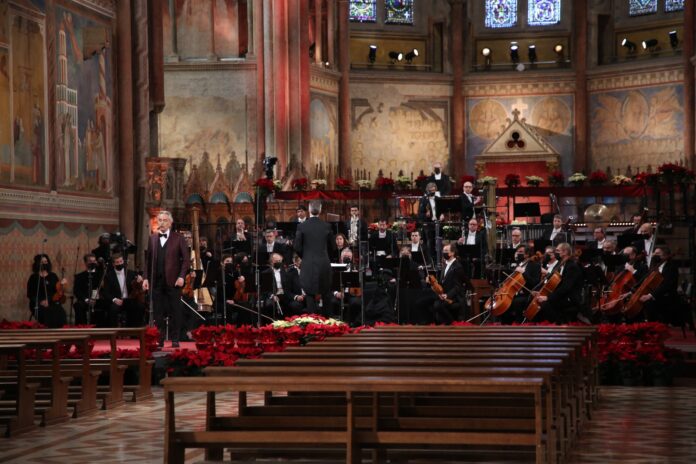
521	393
49	391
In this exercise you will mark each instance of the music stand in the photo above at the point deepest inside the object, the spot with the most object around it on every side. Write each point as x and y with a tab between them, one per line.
540	245
340	279
591	255
289	229
629	239
448	205
504	255
614	262
471	256
527	210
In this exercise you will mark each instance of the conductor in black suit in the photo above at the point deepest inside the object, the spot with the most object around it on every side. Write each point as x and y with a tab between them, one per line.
442	180
448	304
313	241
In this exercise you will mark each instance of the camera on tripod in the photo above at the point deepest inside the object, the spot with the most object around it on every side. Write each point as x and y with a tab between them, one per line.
268	163
119	243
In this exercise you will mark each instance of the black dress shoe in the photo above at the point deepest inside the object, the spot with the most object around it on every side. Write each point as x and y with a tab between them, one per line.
175	344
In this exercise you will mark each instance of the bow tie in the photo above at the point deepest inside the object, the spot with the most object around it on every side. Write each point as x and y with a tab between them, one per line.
163	235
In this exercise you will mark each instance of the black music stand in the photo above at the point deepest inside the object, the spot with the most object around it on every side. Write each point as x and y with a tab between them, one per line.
540	245
625	240
340	279
614	262
527	210
591	255
470	255
504	255
288	229
447	205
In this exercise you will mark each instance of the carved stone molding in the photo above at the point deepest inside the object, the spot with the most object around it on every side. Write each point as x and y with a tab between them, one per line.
237	64
324	80
519	88
54	206
105	7
637	79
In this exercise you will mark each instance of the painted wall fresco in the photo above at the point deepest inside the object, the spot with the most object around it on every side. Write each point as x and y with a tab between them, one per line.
637	127
201	129
22	241
551	116
324	132
84	103
23	143
394	129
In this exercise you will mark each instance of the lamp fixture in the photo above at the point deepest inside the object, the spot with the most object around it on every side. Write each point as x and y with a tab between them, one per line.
396	56
372	55
411	55
486	52
673	39
628	45
514	52
531	53
649	44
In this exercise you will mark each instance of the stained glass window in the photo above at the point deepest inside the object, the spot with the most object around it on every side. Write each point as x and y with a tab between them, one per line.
641	7
674	5
501	13
364	11
398	11
543	12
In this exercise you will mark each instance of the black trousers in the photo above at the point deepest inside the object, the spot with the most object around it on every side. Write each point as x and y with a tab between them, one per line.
52	316
167	302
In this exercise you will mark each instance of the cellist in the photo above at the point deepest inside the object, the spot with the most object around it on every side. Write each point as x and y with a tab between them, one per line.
563	304
451	299
664	298
530	269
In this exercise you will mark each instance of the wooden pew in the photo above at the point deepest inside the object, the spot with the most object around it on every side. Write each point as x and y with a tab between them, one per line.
24	392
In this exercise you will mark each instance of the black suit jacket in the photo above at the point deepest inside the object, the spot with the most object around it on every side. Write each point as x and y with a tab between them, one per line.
569	291
111	288
667	290
481	242
444	185
378	244
467	207
559	238
425	210
313	242
81	284
532	275
177	260
453	282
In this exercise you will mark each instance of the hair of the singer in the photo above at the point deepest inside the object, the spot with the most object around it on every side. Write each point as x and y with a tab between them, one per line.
314	208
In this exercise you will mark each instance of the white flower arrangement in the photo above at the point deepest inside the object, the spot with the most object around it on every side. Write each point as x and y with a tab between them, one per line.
577	177
403	180
364	183
534	180
487	180
278	184
305	320
319	181
621	180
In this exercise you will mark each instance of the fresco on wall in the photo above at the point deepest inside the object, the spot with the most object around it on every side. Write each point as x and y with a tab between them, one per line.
205	130
193	27
324	133
4	38
23	150
394	132
84	104
550	116
637	127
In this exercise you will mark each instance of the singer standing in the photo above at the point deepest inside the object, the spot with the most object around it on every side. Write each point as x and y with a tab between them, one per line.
168	262
313	241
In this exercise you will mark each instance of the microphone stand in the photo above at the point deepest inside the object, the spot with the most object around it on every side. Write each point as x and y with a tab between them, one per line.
257	272
224	296
361	267
38	282
151	293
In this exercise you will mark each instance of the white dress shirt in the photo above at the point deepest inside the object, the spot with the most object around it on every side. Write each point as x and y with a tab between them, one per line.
279	282
163	240
471	238
555	232
121	277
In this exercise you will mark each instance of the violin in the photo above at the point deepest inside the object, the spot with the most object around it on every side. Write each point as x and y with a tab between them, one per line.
240	296
187	289
548	287
634	306
612	302
59	296
136	291
437	288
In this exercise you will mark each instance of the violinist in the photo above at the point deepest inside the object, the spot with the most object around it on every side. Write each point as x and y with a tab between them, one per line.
341	244
661	304
563	304
42	286
550	261
118	283
234	291
450	300
85	289
556	234
530	268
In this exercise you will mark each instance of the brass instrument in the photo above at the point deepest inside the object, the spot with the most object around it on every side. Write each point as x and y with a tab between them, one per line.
200	295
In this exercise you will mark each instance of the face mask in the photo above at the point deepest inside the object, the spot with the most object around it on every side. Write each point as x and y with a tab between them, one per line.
558	256
519	258
346	260
91	266
437	170
277	265
431	194
547	259
229	267
118	267
656	260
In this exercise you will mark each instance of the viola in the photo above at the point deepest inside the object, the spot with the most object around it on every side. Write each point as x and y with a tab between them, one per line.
59	296
548	288
136	291
634	306
240	295
437	288
612	302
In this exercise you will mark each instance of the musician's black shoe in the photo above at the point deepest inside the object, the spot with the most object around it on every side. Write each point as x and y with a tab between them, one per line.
175	344
582	318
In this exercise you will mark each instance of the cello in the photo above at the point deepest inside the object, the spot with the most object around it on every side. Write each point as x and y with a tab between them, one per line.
612	302
634	306
501	300
546	289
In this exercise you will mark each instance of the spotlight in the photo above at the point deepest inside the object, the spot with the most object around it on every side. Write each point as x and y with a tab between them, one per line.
531	52
514	52
649	44
629	45
411	55
560	55
396	56
673	39
486	52
372	55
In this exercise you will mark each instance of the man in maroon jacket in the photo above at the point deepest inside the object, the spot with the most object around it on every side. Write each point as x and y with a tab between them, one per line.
168	262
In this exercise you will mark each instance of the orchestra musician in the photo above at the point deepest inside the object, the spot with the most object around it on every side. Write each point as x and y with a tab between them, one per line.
298	297
645	244
85	289
440	179
550	261
531	271
556	234
428	214
419	253
382	240
283	297
476	237
451	301
350	298
564	302
118	283
468	201
301	214
272	245
42	285
637	220
662	304
355	227
240	241
515	238
600	238
635	264
341	244
103	249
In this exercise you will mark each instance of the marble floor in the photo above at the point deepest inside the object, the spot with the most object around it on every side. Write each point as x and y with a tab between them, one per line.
631	425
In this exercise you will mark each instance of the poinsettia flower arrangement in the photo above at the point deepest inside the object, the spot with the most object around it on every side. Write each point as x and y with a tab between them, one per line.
486	181
384	183
343	184
646	178
467	178
598	177
512	180
300	183
577	179
421	181
621	180
364	184
534	181
265	185
403	182
556	178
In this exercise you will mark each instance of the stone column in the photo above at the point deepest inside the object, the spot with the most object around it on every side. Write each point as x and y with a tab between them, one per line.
689	82
268	78
318	27
212	56
582	161
344	122
458	154
298	81
174	57
279	81
125	120
330	32
258	48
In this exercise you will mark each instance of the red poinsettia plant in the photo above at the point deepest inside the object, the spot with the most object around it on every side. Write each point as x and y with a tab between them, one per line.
512	180
384	183
265	185
300	183
646	178
556	178
467	178
598	177
343	184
